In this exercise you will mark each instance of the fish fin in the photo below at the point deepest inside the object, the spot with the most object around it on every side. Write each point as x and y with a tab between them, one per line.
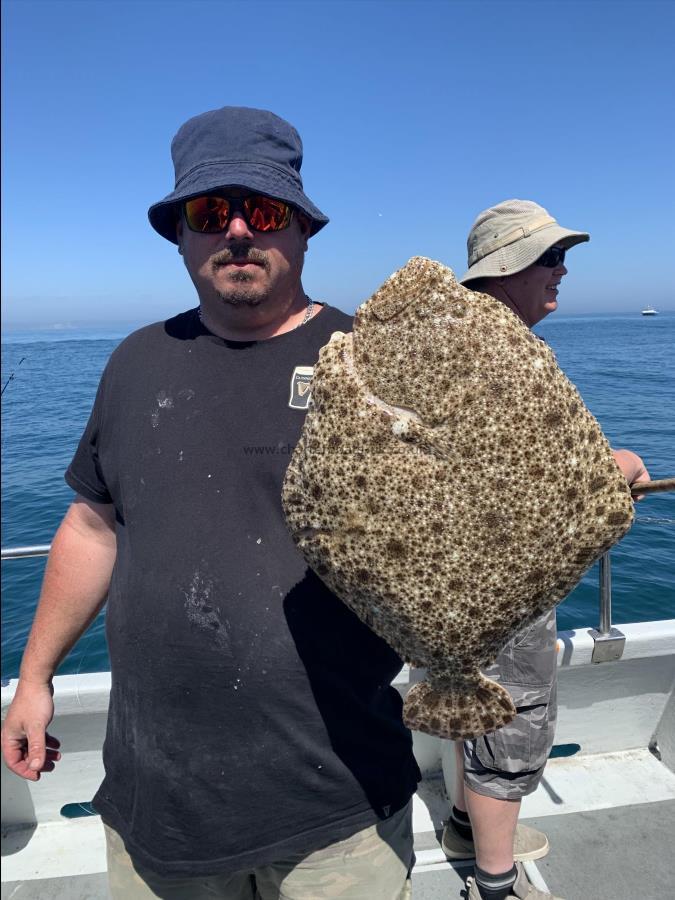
458	709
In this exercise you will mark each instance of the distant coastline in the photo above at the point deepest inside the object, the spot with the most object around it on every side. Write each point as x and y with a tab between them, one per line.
21	333
34	336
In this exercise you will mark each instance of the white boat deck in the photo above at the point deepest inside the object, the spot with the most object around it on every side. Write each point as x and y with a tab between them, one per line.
606	801
599	849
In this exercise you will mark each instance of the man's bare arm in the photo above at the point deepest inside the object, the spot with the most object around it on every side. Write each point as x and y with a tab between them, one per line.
73	591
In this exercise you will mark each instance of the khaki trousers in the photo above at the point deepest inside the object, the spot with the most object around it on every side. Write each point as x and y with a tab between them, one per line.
372	864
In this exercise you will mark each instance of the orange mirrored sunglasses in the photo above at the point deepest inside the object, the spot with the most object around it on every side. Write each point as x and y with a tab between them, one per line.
212	214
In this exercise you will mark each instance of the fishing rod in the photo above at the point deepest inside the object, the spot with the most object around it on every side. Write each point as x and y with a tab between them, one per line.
652	487
4	388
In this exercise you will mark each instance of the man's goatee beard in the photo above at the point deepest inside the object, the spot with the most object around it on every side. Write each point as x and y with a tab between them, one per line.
240	252
241	298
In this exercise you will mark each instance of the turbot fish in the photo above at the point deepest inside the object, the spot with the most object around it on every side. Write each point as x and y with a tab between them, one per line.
450	486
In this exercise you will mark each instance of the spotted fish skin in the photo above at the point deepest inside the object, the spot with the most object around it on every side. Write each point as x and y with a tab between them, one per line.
449	486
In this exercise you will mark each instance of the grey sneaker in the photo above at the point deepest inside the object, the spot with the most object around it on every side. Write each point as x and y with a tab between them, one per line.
528	843
522	889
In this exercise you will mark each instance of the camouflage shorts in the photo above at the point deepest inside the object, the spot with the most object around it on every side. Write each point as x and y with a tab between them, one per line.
372	864
508	763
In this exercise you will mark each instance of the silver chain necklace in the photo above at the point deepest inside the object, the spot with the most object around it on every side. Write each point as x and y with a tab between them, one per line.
306	318
308	313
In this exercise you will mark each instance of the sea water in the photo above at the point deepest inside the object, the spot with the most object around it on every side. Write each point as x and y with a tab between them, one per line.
622	365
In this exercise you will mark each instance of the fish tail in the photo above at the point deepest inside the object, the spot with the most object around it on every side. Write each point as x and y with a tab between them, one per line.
458	709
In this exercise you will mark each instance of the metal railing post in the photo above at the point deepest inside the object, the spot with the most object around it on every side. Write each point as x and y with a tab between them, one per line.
608	642
605	594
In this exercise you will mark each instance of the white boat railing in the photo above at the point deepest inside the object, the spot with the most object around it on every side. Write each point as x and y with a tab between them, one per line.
26	552
609	641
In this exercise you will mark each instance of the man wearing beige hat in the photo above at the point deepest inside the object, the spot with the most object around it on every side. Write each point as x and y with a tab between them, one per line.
516	254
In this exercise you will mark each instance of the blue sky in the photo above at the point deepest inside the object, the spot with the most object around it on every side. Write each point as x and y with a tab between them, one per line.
414	115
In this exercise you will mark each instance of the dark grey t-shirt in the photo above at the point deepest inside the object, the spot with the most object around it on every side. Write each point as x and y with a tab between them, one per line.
251	715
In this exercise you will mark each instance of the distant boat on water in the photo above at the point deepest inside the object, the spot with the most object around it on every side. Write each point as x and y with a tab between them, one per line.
649	311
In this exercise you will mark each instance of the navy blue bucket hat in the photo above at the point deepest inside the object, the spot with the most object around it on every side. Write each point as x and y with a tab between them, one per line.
235	147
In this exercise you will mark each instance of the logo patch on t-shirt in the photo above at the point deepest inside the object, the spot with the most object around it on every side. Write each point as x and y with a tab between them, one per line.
301	387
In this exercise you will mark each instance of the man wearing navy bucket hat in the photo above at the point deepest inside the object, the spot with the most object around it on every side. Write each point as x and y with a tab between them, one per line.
241	220
254	746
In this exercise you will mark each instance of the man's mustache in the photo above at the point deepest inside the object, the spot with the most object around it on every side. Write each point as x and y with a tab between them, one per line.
240	253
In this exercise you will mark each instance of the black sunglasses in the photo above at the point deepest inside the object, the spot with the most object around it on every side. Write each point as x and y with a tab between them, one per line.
553	257
212	214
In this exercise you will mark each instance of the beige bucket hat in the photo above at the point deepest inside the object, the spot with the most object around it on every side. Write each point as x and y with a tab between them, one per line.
510	236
